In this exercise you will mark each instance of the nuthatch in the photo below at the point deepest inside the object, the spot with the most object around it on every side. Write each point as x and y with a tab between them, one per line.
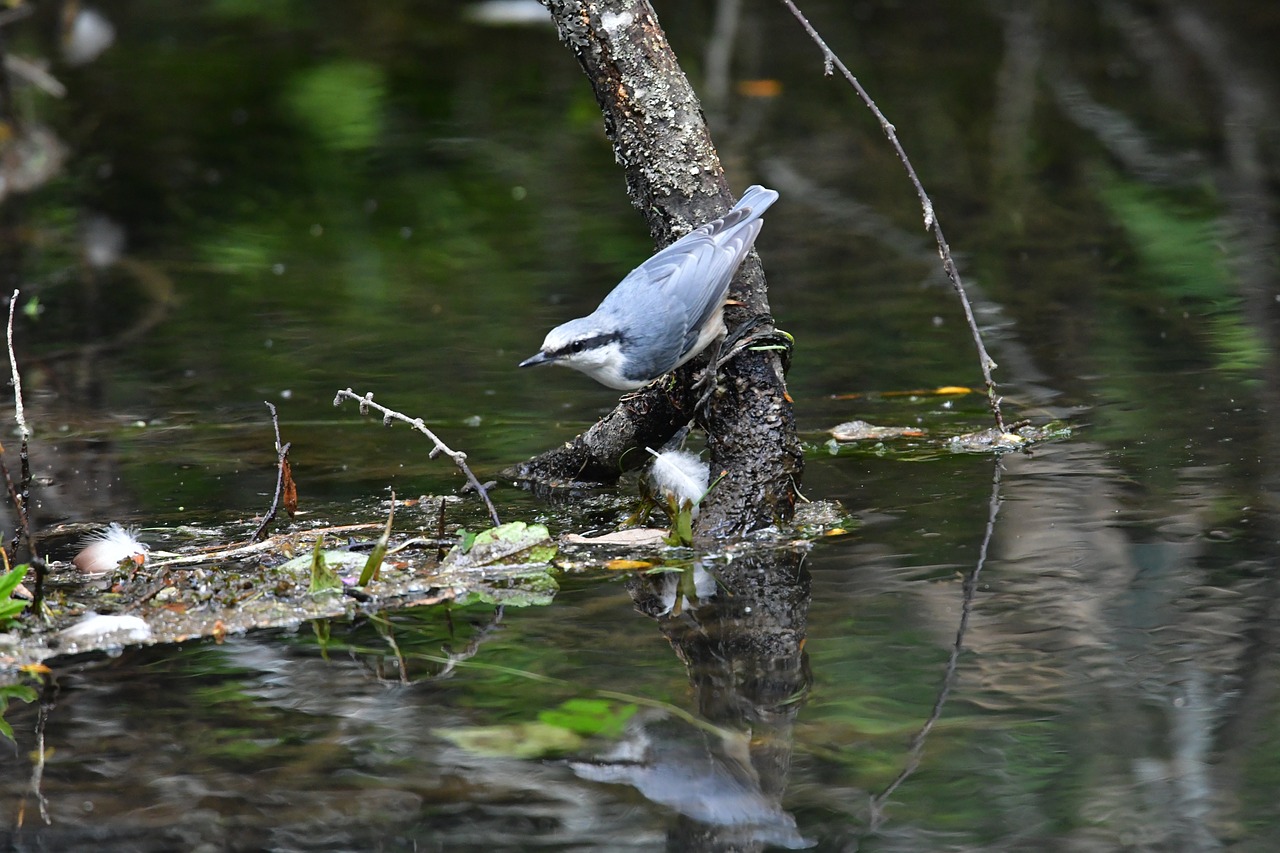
667	310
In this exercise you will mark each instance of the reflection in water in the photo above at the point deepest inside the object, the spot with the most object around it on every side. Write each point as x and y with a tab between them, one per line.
916	750
743	648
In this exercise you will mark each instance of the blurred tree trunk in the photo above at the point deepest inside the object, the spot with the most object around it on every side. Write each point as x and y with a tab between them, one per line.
674	176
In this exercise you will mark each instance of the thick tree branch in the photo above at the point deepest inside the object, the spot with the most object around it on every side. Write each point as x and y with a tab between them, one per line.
674	176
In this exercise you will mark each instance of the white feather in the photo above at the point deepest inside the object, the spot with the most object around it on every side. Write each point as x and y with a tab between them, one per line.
681	475
108	548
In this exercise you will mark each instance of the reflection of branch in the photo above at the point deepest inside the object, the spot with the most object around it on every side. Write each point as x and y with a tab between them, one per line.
37	769
155	284
473	646
916	752
831	61
459	458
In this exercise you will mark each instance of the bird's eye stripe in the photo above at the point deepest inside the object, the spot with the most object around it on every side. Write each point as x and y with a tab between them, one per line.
584	344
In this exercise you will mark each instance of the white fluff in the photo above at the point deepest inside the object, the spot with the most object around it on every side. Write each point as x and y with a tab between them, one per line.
87	36
108	548
681	475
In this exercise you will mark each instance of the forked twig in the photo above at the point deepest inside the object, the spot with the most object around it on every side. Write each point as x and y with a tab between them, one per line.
459	458
284	480
830	62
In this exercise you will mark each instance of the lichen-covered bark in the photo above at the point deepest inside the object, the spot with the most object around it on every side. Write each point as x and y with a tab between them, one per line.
674	176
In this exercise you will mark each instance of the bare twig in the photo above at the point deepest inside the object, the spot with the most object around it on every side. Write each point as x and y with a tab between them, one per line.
832	62
916	751
284	479
21	495
459	458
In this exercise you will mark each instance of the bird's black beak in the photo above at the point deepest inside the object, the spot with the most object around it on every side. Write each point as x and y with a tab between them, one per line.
538	358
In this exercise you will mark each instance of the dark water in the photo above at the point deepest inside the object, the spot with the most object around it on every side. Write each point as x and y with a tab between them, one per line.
394	198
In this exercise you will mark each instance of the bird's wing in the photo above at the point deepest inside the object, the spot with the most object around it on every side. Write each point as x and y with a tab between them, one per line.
695	271
689	280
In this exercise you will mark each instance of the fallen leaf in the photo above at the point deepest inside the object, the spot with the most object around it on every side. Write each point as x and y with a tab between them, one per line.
514	542
627	565
863	431
635	537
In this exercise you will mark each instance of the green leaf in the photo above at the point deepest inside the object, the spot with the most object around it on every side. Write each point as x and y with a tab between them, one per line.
9	582
514	542
322	577
371	566
10	607
22	693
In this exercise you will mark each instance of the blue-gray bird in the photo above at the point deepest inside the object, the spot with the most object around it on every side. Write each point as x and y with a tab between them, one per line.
667	310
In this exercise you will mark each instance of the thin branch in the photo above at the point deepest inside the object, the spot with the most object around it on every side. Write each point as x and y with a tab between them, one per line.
459	458
284	479
830	62
916	751
21	495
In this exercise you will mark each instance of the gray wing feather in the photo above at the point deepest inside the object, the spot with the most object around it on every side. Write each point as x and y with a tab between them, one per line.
689	279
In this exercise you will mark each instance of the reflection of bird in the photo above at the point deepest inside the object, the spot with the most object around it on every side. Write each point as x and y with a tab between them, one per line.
667	310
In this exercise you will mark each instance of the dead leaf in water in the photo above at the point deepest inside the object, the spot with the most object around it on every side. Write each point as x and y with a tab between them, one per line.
863	431
635	537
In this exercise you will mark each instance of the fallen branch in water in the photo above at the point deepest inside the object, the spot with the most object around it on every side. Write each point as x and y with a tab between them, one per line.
459	458
832	62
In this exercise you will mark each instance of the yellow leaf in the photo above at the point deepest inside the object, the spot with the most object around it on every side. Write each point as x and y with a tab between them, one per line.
627	565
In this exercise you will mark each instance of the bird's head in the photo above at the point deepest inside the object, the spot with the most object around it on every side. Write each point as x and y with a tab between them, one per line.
590	346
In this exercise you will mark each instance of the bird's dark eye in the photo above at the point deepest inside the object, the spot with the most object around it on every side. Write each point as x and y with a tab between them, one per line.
577	346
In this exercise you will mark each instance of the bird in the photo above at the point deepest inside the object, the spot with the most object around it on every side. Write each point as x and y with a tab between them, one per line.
665	311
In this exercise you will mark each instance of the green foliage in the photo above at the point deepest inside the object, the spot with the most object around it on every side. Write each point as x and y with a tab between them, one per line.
512	543
323	578
10	607
379	552
590	717
22	693
340	103
1180	247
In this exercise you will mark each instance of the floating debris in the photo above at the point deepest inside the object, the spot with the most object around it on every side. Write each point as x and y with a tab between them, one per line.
863	431
632	537
100	631
1018	437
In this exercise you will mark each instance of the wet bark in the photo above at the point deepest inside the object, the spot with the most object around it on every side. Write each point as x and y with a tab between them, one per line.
674	176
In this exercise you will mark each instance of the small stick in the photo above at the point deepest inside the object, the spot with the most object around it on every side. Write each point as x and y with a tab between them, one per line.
459	458
21	496
284	480
440	533
830	62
